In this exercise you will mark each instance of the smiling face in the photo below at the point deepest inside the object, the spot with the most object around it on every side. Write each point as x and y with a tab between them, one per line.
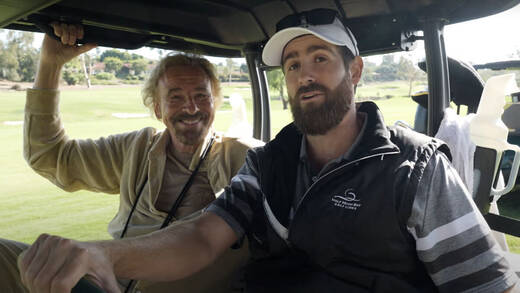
320	89
185	105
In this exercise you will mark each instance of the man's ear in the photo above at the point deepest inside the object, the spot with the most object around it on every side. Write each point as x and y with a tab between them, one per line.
356	69
157	110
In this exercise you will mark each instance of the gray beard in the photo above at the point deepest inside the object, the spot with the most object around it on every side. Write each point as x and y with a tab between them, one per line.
190	137
318	120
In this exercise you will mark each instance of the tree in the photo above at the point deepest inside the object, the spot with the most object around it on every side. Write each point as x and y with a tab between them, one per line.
112	64
27	64
136	56
8	65
229	67
407	71
244	68
276	81
369	72
388	59
27	55
121	55
86	72
124	72
123	64
73	72
138	65
221	72
18	58
386	72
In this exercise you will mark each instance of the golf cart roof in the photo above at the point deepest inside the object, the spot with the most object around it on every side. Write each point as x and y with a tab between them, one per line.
500	65
228	27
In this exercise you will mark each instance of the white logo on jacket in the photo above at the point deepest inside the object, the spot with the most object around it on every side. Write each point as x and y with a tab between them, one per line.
347	201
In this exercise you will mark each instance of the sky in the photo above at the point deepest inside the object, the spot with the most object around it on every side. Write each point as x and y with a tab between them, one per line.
489	39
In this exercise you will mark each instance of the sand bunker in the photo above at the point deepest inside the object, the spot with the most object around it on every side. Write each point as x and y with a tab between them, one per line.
131	115
13	122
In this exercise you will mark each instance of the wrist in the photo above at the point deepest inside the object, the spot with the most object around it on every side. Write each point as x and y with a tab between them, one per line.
47	76
107	253
49	63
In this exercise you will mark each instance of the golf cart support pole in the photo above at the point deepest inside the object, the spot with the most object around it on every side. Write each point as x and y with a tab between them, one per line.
261	117
437	69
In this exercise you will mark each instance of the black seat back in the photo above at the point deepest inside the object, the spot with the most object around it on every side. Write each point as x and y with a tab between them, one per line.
466	85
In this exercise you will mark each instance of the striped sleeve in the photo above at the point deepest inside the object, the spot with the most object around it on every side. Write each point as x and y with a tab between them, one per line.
452	238
235	204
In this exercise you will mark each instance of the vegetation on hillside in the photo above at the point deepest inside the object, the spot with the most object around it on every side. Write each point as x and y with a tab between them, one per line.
18	58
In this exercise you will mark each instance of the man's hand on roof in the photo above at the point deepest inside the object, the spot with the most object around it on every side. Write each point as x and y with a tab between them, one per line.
59	53
54	54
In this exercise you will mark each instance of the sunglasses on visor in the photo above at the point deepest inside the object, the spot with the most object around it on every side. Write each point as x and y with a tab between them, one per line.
318	16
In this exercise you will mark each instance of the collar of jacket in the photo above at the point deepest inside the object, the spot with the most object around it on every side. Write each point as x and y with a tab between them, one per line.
375	140
279	158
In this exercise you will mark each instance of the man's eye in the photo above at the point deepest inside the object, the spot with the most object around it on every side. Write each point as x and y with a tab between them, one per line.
202	97
175	98
292	67
319	59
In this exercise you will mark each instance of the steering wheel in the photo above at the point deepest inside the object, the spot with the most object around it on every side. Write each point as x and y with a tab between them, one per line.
85	286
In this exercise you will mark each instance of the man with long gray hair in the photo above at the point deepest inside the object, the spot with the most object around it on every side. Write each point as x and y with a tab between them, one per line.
161	176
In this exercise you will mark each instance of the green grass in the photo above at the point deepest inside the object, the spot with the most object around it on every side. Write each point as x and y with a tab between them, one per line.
399	107
31	205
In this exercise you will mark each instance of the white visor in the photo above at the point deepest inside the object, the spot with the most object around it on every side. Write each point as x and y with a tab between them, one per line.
334	33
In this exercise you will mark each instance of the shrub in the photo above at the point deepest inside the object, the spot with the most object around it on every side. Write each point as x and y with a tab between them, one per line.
16	87
126	81
132	77
123	72
72	78
104	76
95	81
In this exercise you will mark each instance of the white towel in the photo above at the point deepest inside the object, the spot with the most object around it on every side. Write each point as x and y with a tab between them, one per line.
454	130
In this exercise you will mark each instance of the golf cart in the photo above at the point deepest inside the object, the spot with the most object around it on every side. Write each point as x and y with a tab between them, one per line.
233	28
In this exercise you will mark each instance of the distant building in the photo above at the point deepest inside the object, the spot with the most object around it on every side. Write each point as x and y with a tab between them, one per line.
97	68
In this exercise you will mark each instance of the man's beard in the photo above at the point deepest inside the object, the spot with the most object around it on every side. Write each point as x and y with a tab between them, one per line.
190	136
319	119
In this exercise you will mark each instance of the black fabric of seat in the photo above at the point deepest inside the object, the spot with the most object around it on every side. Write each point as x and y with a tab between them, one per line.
466	85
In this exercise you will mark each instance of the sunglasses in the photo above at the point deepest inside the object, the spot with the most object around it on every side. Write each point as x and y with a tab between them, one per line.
318	16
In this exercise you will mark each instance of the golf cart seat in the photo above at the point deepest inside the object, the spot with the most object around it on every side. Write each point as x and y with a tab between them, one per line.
466	87
510	118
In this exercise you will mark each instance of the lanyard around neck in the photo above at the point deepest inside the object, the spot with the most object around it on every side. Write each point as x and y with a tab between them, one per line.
187	186
181	196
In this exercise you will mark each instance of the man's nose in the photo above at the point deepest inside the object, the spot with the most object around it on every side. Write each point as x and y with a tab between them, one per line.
190	106
307	75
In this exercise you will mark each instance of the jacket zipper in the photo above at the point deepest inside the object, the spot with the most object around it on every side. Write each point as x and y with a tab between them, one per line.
328	174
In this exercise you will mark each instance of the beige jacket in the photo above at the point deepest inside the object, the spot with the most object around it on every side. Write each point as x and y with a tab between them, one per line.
120	163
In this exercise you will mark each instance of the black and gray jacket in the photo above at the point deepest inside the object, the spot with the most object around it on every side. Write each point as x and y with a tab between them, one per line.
348	233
